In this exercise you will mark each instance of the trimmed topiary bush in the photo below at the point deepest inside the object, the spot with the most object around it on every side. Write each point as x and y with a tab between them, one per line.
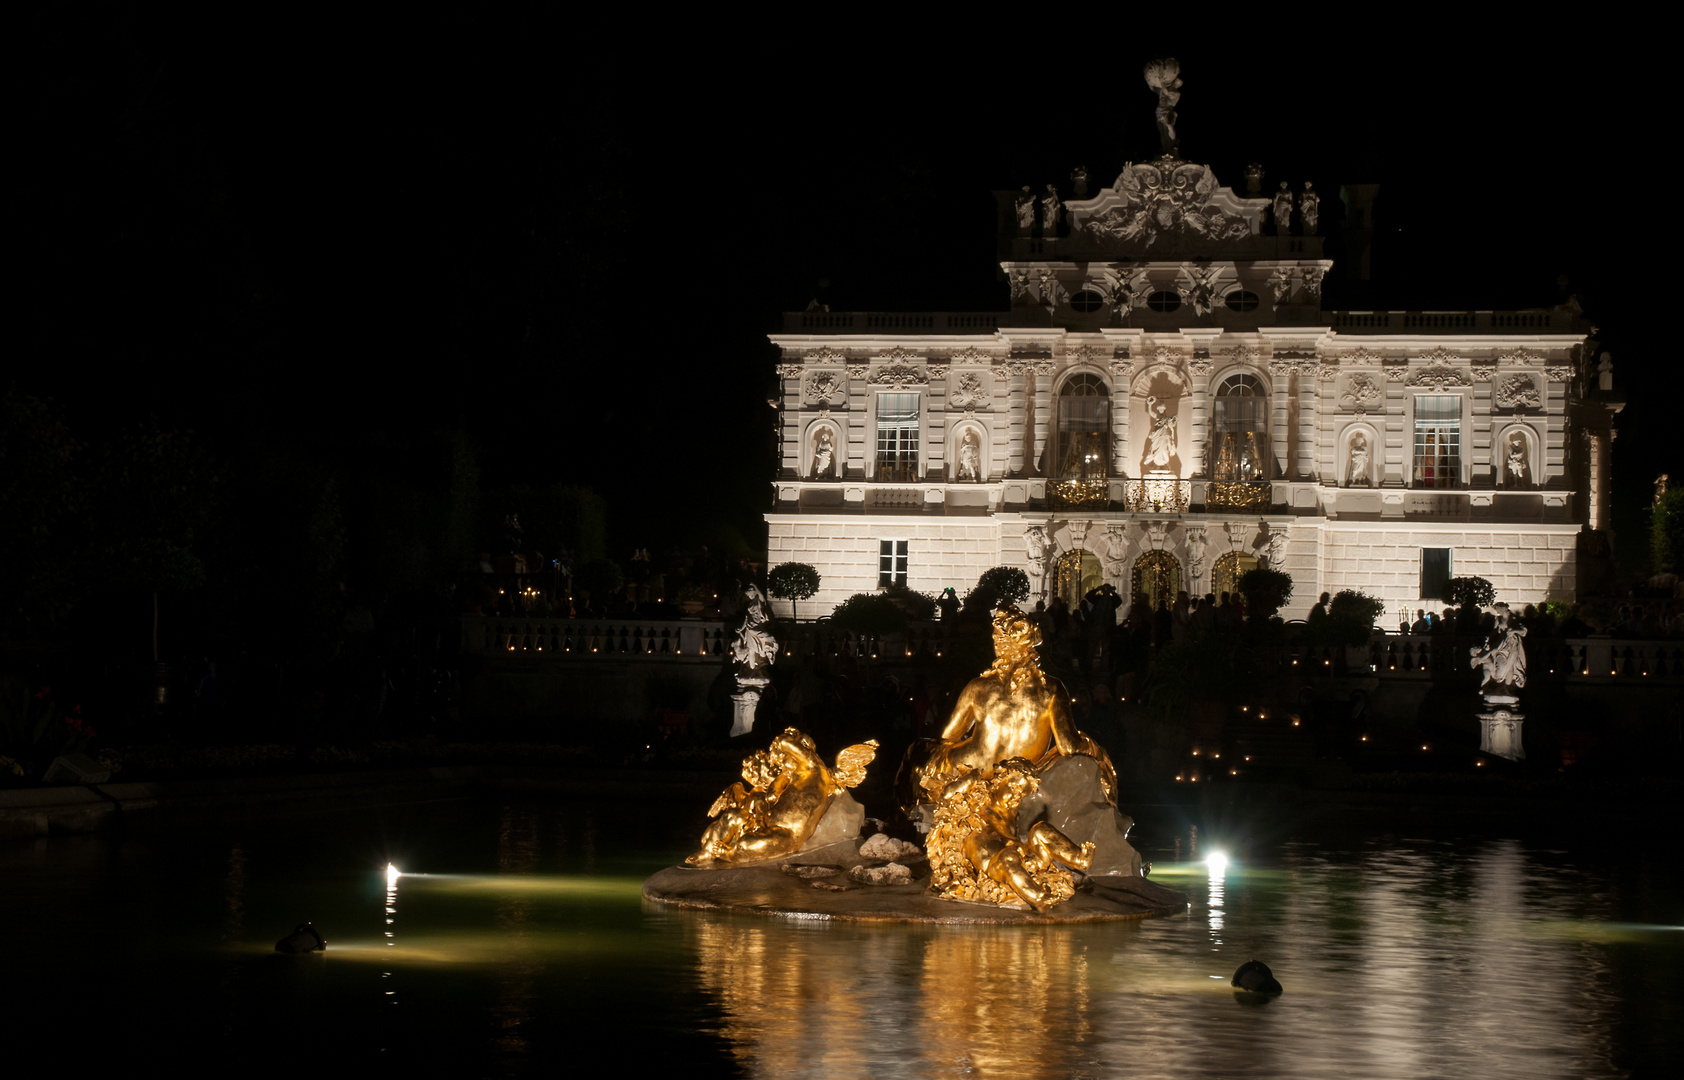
1010	584
869	613
793	581
1265	591
1351	615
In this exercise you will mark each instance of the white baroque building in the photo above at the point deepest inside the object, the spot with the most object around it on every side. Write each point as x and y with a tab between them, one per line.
1166	403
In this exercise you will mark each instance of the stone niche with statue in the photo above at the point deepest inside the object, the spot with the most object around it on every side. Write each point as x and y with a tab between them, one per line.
1010	815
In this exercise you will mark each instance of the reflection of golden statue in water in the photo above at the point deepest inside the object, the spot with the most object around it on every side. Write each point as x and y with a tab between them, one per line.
1012	710
789	790
974	850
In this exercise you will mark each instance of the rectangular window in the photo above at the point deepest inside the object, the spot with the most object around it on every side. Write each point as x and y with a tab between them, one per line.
897	438
891	563
1435	571
1438	441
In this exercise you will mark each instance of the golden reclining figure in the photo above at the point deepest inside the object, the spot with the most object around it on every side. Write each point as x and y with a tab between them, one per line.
789	789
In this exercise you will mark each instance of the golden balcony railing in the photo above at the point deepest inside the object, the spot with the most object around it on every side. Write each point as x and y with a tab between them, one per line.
1238	495
1078	494
1158	496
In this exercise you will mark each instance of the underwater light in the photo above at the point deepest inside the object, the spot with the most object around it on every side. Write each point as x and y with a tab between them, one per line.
1216	863
392	874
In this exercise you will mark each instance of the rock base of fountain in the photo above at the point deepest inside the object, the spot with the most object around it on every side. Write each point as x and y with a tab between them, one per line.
822	884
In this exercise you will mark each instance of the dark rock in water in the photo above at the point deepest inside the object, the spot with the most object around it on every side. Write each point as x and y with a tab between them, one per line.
1255	976
1073	801
302	940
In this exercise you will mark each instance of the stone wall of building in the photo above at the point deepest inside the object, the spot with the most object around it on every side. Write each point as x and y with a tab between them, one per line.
845	551
1527	564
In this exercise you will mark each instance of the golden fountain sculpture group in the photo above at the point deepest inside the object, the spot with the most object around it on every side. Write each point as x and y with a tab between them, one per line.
1009	724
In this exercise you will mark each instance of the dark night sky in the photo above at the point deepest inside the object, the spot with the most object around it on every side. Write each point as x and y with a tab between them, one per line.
572	238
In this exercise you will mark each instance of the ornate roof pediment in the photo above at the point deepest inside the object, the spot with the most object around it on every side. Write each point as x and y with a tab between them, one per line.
1168	203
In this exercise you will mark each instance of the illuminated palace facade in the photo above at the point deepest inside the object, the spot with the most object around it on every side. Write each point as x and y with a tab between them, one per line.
1167	404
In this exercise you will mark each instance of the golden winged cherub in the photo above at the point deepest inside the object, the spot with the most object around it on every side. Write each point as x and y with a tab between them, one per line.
1012	710
974	850
788	791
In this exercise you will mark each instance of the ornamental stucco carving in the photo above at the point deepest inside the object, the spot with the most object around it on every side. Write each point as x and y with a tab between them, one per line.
1166	199
1559	373
971	355
1200	368
1438	376
898	355
1120	368
1361	392
1520	356
1157	532
1044	367
826	355
1395	372
1484	372
1291	366
1052	291
822	387
1201	287
789	371
1517	392
1281	283
857	371
898	375
1312	279
1362	356
936	370
971	393
1327	371
1440	356
1021	291
1124	287
1238	531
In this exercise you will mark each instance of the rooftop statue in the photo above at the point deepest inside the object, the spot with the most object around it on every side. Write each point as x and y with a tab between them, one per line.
788	791
1164	76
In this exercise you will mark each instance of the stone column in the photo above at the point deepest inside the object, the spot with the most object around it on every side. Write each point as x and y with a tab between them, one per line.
1121	398
1601	475
1194	462
1043	372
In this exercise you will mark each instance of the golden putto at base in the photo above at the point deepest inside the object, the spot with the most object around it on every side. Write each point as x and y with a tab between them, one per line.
974	850
788	791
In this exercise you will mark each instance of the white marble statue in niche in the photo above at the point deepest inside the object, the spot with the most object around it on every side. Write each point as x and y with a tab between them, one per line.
1517	471
824	456
1160	440
970	456
1361	472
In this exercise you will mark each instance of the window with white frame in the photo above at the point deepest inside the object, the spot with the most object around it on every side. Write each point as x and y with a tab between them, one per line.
1435	572
897	438
891	563
1438	441
1242	429
1084	425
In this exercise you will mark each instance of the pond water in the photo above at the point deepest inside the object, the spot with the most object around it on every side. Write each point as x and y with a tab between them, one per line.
517	940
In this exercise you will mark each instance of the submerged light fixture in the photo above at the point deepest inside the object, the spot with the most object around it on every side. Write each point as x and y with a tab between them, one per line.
1216	863
392	874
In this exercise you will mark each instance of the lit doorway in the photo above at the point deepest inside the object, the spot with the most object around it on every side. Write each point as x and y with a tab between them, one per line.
1225	575
1078	573
1157	575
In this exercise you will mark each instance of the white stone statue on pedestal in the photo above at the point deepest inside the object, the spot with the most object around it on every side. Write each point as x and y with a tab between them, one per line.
1310	206
1026	211
753	652
1514	469
1049	213
1502	660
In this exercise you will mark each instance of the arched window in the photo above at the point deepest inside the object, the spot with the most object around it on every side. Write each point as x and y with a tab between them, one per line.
1084	427
1242	430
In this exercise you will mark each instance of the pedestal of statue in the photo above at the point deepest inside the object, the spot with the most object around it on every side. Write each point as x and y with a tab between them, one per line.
743	704
1499	728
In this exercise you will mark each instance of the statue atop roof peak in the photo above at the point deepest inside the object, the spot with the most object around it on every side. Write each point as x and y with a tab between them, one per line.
1164	76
